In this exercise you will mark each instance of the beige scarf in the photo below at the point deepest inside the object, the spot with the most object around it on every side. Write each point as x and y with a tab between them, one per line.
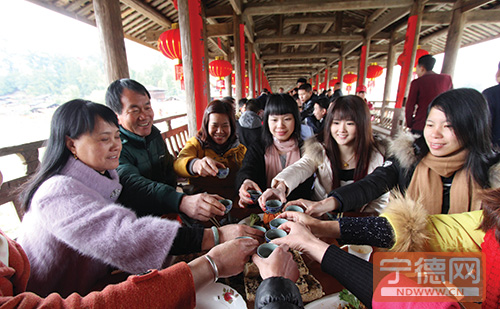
426	184
272	157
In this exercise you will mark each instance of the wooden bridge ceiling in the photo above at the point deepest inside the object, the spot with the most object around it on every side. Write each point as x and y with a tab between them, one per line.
302	37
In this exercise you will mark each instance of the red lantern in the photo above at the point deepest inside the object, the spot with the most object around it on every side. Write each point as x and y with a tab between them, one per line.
349	79
322	85
420	53
169	43
220	68
333	81
373	72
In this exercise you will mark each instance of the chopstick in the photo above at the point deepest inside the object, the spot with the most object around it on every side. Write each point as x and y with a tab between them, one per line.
215	222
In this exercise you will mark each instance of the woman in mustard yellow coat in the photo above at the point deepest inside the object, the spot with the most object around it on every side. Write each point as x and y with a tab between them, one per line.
212	158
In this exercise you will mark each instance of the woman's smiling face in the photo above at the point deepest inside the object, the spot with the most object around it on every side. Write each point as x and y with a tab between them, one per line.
281	126
439	134
219	128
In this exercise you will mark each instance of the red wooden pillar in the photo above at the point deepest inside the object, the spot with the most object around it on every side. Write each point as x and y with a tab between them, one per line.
311	81
242	63
252	80
410	49
317	82
362	66
259	82
195	63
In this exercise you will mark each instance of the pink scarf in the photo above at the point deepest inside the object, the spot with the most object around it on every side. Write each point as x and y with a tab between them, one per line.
272	157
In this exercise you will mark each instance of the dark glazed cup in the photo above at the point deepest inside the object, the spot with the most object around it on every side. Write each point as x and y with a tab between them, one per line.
273	206
228	204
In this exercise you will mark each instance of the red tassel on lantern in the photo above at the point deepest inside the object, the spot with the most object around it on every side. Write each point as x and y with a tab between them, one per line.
349	79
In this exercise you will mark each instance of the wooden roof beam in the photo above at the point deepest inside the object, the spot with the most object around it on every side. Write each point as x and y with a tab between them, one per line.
149	12
218	30
474	17
319	6
393	16
293	65
221	11
306	20
472	4
306	38
299	56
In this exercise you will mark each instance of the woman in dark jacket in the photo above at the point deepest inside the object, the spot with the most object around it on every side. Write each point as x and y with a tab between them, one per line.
279	148
446	168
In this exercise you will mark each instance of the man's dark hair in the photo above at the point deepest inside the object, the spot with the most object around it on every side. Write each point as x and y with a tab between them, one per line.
253	105
323	102
242	102
115	90
301	80
265	90
427	61
307	87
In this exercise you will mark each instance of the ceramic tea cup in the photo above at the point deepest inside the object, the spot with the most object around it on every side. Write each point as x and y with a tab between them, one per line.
265	250
275	223
273	234
273	206
294	208
228	204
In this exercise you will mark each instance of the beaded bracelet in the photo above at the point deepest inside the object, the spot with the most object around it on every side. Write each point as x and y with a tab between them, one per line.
214	267
216	235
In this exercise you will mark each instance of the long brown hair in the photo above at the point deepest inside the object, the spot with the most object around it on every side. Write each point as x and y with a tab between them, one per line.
350	108
491	211
217	107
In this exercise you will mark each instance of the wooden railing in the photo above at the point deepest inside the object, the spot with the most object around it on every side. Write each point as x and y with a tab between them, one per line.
29	155
382	118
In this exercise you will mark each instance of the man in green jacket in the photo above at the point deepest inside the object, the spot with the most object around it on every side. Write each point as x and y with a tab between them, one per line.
145	162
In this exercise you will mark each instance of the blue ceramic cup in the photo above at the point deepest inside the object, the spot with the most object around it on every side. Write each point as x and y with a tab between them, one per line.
275	223
265	250
228	204
223	172
273	234
254	195
273	206
294	208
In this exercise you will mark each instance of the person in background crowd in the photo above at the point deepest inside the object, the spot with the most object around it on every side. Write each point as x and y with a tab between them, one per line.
214	148
241	107
301	81
316	121
345	152
361	92
146	166
73	231
281	90
279	148
423	90
307	99
337	92
249	126
446	168
263	97
492	95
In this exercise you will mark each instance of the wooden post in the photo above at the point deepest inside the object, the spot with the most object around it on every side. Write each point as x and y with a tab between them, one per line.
259	82
251	59
327	78
341	71
391	53
238	74
454	38
109	25
193	61
410	50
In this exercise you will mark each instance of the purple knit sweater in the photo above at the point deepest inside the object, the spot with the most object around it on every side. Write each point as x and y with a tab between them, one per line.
75	232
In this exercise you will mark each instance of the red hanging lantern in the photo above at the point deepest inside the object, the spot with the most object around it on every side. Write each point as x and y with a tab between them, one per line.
322	85
169	43
333	81
420	53
373	71
247	82
349	79
220	68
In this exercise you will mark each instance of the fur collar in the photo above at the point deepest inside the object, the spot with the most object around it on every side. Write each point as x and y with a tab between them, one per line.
314	150
402	148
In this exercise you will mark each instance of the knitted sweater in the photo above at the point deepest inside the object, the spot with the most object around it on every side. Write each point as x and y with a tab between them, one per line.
491	250
141	291
74	233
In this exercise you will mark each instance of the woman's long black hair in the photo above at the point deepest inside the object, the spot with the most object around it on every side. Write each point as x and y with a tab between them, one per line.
72	119
280	104
467	112
353	108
